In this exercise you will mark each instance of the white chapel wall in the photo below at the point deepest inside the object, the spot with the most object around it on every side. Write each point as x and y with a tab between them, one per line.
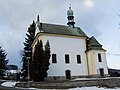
62	46
102	64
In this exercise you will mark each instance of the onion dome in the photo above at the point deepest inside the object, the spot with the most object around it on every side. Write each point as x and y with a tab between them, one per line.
70	12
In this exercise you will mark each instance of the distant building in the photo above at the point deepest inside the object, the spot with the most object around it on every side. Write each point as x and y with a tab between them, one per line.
114	72
11	70
73	53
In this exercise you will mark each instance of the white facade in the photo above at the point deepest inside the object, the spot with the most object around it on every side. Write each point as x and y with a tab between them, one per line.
73	46
62	45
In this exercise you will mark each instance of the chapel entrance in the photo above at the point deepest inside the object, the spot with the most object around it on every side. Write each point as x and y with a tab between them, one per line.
68	74
101	72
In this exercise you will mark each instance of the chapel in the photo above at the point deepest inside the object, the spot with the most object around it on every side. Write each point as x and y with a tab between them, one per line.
73	53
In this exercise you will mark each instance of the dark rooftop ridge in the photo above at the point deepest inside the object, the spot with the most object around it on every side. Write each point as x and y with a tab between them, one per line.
62	30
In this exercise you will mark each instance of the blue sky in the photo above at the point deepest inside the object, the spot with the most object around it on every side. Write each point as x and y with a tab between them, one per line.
95	17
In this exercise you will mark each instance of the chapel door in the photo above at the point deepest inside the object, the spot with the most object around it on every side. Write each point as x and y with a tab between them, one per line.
101	72
68	74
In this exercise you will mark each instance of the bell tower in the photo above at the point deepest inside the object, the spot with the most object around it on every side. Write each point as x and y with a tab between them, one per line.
70	17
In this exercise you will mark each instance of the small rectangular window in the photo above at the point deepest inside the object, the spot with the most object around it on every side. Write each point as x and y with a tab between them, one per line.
54	58
99	57
78	59
67	58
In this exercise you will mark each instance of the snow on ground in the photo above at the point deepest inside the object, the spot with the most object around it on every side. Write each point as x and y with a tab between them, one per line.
9	84
12	84
92	78
92	88
2	80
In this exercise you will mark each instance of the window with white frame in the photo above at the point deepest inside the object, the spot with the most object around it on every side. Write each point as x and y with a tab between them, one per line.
54	58
67	61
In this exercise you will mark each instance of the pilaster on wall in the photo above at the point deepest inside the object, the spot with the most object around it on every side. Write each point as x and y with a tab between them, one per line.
90	62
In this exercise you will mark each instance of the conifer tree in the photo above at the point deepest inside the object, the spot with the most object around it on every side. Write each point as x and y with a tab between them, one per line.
27	53
40	63
3	61
46	57
37	62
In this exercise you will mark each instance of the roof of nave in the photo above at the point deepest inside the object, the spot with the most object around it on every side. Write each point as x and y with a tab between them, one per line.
61	29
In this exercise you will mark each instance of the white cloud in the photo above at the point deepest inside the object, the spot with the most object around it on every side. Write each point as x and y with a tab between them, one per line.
89	3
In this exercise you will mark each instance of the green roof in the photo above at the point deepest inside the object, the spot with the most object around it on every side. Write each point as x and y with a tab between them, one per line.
62	30
93	44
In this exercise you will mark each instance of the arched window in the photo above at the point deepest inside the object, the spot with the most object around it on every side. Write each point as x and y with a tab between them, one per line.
78	59
67	58
54	58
